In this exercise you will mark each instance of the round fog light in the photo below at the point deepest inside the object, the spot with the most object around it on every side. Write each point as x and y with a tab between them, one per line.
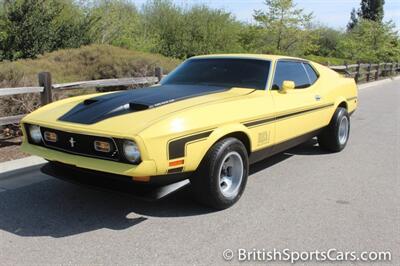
35	134
131	151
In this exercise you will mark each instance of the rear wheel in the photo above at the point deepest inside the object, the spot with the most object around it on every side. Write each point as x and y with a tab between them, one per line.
335	136
222	176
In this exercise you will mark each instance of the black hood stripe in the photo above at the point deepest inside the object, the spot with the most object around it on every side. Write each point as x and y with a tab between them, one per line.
99	108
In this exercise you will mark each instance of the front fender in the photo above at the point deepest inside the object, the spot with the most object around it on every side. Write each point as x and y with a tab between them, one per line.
196	151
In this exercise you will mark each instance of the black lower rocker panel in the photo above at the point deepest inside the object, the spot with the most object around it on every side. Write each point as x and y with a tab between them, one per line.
262	154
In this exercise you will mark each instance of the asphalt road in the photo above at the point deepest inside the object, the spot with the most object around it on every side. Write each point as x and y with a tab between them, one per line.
301	200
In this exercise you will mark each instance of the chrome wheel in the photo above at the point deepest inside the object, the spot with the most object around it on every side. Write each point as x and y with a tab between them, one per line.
231	174
343	130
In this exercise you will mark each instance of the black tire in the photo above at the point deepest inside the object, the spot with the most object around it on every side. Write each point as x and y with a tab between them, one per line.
205	182
332	138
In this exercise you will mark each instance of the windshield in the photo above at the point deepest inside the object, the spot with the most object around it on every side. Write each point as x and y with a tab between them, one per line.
223	72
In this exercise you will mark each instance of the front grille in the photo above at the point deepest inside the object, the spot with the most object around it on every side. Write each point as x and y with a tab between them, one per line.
80	144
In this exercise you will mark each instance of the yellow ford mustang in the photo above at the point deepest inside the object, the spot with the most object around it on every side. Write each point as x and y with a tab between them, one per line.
207	121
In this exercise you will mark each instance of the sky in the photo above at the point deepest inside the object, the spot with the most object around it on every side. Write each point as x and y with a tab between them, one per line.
334	13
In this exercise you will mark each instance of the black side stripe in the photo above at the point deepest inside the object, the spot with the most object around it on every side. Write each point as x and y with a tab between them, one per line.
284	116
263	121
352	98
176	148
304	111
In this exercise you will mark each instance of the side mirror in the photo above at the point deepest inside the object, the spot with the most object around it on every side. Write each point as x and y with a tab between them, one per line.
288	85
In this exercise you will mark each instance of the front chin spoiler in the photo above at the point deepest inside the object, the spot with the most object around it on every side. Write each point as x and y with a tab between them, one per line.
154	190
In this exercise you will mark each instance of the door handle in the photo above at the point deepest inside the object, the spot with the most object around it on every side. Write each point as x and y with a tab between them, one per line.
318	98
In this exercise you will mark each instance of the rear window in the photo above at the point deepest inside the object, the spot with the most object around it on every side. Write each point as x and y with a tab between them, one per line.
223	72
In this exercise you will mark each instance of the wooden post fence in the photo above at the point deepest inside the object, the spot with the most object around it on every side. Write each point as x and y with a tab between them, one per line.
46	88
45	82
158	73
368	72
391	69
357	77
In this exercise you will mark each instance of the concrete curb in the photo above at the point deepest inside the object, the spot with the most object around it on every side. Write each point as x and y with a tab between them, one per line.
378	82
20	164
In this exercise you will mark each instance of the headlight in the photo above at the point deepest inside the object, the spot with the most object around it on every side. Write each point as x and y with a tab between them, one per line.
35	134
131	151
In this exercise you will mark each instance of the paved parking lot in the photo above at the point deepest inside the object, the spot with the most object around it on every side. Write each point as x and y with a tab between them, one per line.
302	200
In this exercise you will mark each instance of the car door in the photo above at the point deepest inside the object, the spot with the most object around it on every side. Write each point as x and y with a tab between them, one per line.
297	111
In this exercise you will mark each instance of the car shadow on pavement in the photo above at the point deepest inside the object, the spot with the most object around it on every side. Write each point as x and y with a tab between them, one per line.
307	148
269	162
310	147
57	209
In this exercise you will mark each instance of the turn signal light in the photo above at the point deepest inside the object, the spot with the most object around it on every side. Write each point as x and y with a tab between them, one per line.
102	146
177	163
50	136
141	178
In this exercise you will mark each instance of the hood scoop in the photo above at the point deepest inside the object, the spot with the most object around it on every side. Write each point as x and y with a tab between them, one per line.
102	107
138	107
89	101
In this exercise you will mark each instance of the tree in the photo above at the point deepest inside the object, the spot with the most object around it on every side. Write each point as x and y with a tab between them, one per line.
69	26
250	38
162	23
286	28
372	10
32	27
3	31
353	20
327	41
180	33
209	31
371	41
113	22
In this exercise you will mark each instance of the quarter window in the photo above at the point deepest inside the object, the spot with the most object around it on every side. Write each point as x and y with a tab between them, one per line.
311	73
290	70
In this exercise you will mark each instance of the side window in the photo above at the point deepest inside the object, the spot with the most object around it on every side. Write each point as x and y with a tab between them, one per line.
288	70
311	73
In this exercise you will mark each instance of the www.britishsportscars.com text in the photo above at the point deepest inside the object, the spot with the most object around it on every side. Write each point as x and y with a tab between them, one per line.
293	256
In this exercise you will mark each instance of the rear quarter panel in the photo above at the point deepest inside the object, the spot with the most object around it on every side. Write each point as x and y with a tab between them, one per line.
337	89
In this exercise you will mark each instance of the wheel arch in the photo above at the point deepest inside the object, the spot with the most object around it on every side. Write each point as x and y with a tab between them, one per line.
239	135
237	131
343	104
340	102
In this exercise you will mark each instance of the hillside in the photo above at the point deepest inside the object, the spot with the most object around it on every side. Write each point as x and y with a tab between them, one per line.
86	63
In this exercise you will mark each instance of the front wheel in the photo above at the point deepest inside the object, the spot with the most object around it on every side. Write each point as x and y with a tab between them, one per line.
335	136
222	176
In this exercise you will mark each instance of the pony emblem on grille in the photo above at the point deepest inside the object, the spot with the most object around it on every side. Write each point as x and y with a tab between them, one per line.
72	142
